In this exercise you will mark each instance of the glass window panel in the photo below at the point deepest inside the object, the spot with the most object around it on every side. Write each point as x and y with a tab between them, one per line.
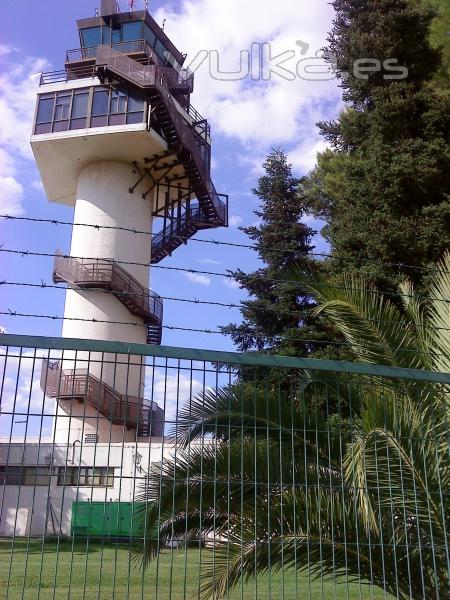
10	475
62	477
84	476
116	36
99	121
110	477
160	50
60	126
42	475
136	117
106	35
135	104
78	123
149	36
43	128
62	107
132	31
117	119
80	106
45	110
118	102
100	103
91	37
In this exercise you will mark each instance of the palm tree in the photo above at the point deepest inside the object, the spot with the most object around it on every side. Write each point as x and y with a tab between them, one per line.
276	485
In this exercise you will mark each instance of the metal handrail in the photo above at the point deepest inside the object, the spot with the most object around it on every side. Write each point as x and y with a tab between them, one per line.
90	52
121	409
107	273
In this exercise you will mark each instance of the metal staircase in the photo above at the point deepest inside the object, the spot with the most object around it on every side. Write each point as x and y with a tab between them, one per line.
129	411
181	136
107	274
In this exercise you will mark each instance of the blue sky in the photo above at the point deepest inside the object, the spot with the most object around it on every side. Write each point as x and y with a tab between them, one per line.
248	118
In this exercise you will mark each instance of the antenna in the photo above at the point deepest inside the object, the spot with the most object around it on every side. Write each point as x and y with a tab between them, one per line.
164	24
131	4
146	5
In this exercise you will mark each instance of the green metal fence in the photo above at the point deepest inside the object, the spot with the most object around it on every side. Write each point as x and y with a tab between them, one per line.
131	471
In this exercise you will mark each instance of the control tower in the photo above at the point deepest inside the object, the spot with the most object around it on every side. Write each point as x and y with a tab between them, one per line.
115	136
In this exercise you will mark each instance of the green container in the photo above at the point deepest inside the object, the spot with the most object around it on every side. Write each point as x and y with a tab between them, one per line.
107	519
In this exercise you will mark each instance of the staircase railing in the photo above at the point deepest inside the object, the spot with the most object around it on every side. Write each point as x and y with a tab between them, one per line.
129	411
148	76
103	273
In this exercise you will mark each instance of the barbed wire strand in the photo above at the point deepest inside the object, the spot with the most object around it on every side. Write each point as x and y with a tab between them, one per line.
277	310
215	242
296	284
277	339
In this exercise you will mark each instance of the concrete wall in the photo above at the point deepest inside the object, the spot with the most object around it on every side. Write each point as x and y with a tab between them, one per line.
103	199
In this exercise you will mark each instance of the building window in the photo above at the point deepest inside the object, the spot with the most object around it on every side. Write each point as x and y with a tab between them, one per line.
86	476
161	50
44	116
79	109
100	108
149	36
132	31
136	110
62	111
91	37
71	109
22	475
118	102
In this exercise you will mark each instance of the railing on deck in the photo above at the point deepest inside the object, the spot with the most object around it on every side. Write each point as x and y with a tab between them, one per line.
275	477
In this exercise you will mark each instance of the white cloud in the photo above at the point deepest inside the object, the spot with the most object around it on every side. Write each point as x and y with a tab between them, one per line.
209	261
303	157
257	113
18	87
37	185
171	392
21	390
11	196
235	221
231	283
197	278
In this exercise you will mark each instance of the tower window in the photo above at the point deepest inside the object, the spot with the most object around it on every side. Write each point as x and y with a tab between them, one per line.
132	31
62	111
150	37
62	108
91	36
135	110
118	102
44	116
79	109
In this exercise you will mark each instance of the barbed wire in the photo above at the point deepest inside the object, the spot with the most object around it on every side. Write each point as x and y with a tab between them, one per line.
219	242
283	281
277	339
295	314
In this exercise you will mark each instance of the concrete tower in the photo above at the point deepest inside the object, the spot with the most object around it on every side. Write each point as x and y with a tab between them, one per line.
115	136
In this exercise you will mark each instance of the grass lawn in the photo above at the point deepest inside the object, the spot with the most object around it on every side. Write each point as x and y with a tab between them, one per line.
90	571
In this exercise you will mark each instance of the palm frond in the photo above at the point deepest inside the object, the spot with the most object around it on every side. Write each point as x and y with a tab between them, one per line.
373	325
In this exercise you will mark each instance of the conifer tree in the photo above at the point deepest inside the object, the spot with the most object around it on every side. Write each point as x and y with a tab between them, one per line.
383	187
275	318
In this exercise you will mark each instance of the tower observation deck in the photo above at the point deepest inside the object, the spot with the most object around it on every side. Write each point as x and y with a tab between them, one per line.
115	135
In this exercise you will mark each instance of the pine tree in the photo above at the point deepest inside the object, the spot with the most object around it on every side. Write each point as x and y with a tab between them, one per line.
383	187
275	318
